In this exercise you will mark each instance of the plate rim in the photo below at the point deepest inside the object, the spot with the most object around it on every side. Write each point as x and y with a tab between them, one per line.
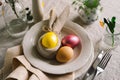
78	72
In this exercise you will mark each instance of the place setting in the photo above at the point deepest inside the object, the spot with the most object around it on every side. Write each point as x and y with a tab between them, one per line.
69	37
80	57
57	48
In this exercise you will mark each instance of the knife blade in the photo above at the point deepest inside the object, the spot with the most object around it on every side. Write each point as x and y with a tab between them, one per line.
92	69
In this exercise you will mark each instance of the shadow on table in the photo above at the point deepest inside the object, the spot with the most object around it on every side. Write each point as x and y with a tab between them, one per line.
80	22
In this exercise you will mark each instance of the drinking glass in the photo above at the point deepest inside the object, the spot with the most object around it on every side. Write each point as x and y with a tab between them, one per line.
15	18
112	40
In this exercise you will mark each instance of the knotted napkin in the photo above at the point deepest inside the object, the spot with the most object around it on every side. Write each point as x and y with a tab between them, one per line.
16	67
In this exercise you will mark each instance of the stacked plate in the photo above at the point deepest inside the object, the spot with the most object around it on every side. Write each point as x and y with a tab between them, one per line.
79	64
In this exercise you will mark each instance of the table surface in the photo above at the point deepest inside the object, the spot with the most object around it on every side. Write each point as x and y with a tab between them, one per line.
110	8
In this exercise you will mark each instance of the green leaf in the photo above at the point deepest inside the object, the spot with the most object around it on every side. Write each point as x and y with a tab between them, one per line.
105	21
111	27
80	7
91	3
110	24
73	2
113	21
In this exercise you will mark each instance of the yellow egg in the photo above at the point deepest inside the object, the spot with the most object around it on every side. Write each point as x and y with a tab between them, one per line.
50	40
64	54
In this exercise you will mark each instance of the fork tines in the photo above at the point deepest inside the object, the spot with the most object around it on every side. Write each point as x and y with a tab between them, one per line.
105	59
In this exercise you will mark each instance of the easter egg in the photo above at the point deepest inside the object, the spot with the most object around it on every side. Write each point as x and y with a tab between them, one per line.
64	54
50	40
70	40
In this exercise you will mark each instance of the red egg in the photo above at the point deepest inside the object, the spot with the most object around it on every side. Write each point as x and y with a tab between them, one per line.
70	40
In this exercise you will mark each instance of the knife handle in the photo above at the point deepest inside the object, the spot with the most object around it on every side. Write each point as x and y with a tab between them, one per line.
89	76
86	76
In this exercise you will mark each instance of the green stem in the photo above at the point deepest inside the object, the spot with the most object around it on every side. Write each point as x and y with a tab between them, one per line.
112	40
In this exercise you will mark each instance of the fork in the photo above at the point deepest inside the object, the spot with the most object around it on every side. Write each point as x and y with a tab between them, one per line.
91	72
103	63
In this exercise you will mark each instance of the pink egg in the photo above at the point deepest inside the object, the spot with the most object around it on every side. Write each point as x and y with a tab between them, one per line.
70	40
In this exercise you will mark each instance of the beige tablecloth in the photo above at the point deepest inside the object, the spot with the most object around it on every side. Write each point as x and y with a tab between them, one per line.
110	8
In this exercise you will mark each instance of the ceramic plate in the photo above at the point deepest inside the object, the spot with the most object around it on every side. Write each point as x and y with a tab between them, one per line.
80	58
82	70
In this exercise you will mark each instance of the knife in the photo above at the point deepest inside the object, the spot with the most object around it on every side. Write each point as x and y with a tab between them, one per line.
92	69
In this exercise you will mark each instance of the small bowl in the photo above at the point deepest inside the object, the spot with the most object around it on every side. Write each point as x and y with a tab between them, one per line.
48	53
